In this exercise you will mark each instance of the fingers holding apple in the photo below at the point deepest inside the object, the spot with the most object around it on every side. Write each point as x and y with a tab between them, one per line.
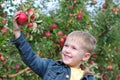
15	24
19	19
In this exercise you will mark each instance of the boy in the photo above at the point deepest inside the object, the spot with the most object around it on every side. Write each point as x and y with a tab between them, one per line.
77	49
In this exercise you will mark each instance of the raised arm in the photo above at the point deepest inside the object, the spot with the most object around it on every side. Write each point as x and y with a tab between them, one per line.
37	64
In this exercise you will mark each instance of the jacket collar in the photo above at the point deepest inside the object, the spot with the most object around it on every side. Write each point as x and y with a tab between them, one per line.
85	69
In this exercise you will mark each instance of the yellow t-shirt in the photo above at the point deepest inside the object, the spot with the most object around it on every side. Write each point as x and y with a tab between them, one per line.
76	74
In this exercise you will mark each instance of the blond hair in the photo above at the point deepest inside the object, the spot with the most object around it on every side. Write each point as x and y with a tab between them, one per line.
87	41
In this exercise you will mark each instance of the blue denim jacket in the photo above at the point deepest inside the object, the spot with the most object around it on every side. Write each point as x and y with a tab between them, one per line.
47	69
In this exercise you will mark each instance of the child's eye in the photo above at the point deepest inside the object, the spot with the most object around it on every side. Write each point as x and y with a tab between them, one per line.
73	48
66	45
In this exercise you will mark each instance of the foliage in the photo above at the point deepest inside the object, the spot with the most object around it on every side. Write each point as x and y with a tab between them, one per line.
48	33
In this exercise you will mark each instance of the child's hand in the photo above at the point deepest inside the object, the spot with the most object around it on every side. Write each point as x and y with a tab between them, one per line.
16	26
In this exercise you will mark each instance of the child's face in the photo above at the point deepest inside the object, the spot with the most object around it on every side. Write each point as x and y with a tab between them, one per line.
72	53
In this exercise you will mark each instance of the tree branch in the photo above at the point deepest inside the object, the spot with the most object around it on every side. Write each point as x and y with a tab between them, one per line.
16	74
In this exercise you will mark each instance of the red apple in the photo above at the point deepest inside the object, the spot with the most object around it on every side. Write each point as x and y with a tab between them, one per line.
60	33
2	58
104	5
31	12
17	66
110	67
33	18
104	76
22	18
75	1
54	26
79	17
47	34
62	40
64	37
4	30
118	76
30	24
115	9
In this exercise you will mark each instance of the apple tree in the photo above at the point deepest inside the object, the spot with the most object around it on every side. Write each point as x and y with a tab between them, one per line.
47	31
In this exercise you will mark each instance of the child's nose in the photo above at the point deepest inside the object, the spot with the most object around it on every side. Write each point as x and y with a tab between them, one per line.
68	49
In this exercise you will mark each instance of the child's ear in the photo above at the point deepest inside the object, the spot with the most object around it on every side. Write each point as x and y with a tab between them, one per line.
86	57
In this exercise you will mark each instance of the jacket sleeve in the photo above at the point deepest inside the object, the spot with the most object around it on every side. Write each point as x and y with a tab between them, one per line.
37	64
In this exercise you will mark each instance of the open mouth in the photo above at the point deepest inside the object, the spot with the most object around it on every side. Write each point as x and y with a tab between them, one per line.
67	56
